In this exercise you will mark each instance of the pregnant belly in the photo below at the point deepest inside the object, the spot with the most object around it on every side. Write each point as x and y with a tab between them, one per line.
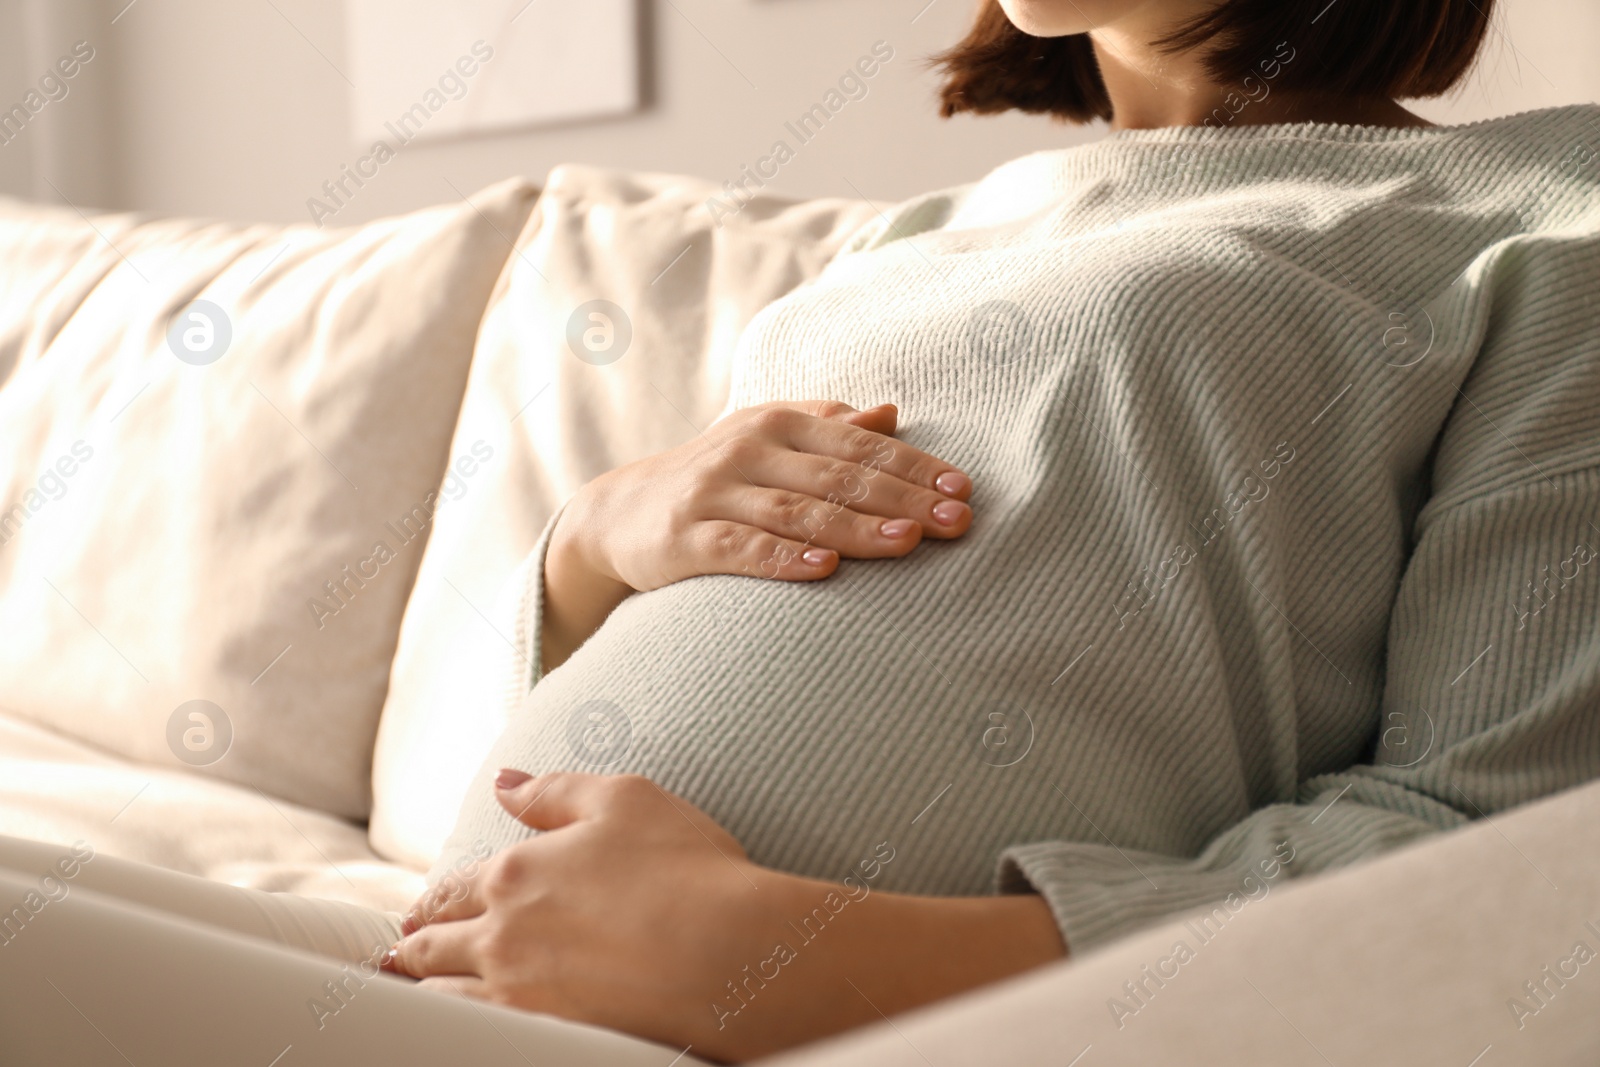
822	722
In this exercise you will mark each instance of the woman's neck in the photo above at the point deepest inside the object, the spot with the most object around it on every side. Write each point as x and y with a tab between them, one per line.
1152	88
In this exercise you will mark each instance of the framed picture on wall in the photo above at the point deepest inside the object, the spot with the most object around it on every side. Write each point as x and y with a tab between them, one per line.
445	68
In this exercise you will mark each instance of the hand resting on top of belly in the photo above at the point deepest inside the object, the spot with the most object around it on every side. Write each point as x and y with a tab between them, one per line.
778	492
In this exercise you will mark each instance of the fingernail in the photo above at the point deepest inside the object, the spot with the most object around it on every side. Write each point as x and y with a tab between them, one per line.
388	961
949	512
410	924
895	529
509	778
817	557
952	483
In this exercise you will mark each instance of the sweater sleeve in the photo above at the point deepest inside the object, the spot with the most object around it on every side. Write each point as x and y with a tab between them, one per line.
1492	687
527	661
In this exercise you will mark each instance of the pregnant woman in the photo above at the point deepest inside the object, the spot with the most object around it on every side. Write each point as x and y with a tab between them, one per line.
1253	454
1143	524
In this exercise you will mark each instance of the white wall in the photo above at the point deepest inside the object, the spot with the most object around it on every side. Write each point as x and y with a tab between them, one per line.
234	108
64	150
1541	53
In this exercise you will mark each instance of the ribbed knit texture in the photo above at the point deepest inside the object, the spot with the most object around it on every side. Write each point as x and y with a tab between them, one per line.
1287	536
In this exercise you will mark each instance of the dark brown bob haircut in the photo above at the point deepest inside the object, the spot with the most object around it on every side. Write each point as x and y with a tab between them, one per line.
1400	49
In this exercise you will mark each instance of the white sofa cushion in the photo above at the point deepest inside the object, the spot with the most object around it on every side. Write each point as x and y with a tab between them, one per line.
167	523
538	421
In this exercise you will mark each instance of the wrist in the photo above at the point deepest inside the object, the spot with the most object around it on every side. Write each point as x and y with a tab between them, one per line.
579	593
573	549
960	943
872	954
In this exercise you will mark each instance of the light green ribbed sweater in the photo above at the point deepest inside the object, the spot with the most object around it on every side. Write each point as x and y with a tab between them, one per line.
1286	445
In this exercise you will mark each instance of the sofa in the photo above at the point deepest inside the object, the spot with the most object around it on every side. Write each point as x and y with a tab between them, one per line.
263	494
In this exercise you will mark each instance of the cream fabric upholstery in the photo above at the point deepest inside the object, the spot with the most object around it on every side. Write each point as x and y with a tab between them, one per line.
548	421
1413	958
167	526
55	789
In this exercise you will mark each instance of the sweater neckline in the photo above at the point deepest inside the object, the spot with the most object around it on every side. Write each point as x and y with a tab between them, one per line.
1197	158
1333	132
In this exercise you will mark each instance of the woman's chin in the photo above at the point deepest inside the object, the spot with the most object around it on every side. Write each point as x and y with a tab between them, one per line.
1055	18
1046	18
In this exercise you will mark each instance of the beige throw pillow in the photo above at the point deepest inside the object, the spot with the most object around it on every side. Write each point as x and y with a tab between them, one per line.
211	514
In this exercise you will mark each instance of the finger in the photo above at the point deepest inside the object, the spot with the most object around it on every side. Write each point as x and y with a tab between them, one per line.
458	985
727	546
865	491
826	524
881	419
817	409
828	437
453	898
551	801
446	948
